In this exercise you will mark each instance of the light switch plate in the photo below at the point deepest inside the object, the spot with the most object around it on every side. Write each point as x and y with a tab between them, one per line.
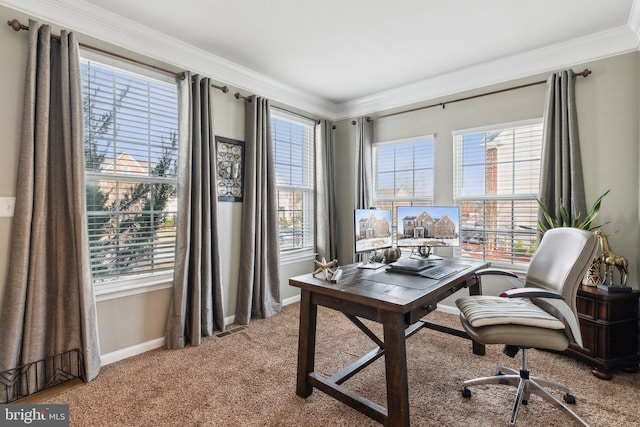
7	206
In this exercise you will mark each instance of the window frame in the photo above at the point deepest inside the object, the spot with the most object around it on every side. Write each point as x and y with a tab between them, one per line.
402	201
484	198
147	281
296	254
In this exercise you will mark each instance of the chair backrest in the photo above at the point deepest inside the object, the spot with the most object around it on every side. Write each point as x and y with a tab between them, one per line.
561	261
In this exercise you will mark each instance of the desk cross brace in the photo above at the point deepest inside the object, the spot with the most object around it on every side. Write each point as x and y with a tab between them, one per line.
349	371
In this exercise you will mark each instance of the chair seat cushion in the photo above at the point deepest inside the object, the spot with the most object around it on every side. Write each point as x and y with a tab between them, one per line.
485	310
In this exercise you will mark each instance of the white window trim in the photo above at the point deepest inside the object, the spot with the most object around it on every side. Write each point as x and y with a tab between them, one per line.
139	284
405	140
400	141
291	256
499	126
123	65
518	268
296	256
146	282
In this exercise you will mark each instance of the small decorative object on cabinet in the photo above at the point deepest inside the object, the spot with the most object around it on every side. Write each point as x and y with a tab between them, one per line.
609	327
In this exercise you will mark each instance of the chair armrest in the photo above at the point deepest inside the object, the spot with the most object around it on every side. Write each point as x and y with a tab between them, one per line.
504	274
532	293
495	272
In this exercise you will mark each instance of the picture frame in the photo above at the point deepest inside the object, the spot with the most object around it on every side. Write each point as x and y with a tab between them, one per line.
230	167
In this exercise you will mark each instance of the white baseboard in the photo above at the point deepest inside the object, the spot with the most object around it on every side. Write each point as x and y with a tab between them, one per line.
134	350
291	300
230	320
124	353
448	309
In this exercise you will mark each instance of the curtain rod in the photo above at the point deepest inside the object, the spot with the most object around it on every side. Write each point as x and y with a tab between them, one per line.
238	96
583	73
17	26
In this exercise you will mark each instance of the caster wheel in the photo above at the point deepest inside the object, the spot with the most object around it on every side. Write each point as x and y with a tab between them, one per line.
465	392
569	398
525	402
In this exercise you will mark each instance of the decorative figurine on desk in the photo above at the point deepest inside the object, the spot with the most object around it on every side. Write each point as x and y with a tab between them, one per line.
324	267
611	260
390	255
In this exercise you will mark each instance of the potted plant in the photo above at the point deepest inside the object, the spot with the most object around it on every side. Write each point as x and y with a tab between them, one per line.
586	224
593	277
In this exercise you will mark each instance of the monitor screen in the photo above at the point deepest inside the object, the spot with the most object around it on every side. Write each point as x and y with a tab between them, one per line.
372	230
428	226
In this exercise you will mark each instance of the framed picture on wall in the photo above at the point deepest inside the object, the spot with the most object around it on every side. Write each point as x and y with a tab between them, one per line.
230	164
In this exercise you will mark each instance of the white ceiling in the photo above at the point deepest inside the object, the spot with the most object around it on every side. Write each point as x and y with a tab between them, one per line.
346	57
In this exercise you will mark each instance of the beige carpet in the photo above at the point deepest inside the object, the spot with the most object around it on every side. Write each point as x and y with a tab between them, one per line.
247	378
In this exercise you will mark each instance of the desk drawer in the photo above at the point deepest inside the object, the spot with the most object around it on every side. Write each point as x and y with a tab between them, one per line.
418	313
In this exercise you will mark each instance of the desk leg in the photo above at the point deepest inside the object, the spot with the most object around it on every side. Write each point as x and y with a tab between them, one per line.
476	289
395	356
306	343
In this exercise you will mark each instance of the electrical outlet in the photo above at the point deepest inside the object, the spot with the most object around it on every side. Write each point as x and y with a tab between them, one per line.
7	206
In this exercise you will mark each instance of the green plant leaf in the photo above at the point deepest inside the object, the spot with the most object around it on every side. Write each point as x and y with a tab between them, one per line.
593	213
565	221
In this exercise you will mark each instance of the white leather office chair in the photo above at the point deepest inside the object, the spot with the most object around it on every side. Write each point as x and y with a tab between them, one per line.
542	314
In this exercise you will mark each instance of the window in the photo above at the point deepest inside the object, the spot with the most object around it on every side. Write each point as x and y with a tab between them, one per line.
497	173
403	173
131	136
293	142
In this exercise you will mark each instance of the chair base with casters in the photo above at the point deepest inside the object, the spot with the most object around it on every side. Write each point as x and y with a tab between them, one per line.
526	385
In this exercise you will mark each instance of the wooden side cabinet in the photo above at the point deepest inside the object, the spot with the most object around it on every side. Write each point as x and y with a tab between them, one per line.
609	327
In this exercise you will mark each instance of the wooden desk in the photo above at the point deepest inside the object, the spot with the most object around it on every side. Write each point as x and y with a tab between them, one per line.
398	302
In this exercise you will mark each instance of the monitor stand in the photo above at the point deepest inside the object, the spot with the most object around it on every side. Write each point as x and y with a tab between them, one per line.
370	264
425	252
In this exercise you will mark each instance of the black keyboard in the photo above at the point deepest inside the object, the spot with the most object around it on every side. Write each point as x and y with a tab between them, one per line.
440	271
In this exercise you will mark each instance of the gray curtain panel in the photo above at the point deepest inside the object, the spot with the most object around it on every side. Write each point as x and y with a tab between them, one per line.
364	182
561	179
326	217
196	307
49	306
258	279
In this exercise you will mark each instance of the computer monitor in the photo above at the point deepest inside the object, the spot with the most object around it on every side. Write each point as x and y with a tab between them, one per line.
372	230
424	227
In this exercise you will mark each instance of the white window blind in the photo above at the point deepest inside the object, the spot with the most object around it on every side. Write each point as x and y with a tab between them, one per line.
131	137
293	142
403	173
497	172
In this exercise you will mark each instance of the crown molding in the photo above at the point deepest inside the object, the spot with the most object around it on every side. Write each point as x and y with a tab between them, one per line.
634	17
88	19
543	60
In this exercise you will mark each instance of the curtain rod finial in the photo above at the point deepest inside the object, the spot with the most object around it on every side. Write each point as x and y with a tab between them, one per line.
16	25
585	72
225	89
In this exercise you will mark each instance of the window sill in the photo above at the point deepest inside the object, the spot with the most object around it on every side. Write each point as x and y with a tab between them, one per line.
133	286
295	257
